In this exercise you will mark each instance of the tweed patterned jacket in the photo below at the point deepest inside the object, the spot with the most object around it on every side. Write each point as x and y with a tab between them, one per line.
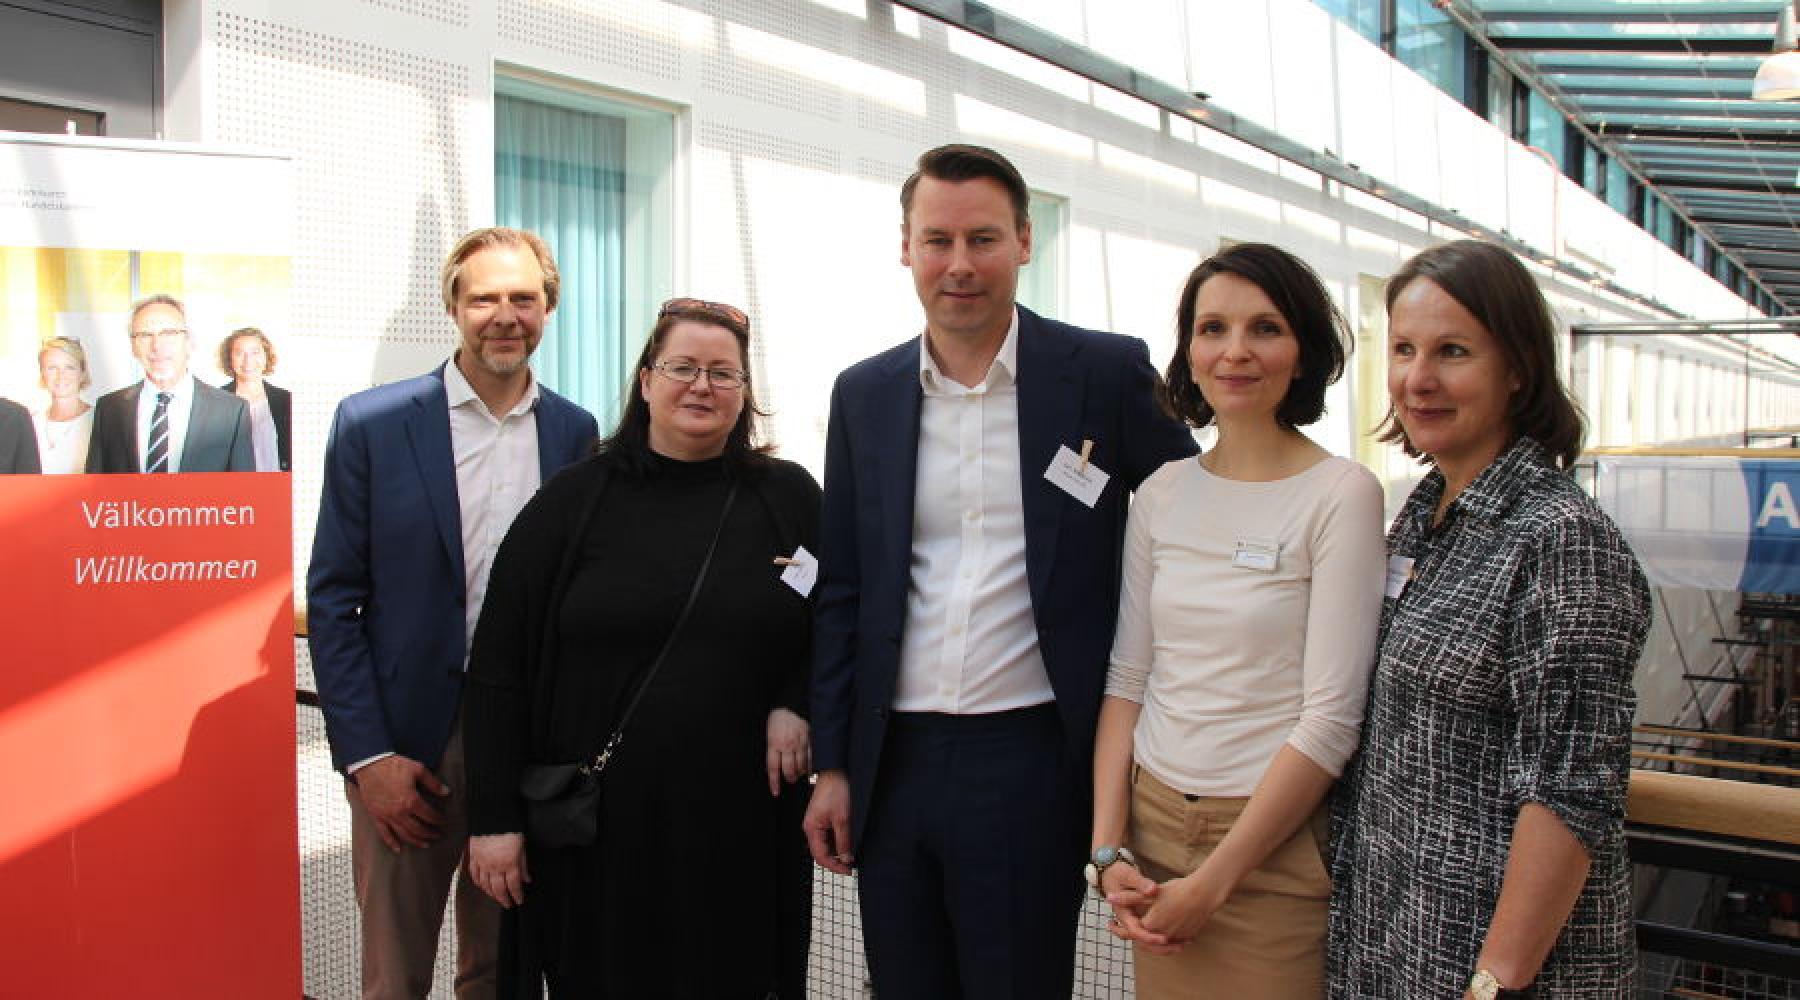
1503	677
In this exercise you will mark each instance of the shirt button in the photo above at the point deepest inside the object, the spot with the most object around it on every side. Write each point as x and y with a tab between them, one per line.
970	515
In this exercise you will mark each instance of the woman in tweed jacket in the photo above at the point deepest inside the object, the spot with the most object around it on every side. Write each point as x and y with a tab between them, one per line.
1480	831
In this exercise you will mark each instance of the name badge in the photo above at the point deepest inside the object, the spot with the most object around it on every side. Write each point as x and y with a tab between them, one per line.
802	571
1256	554
1399	572
1083	483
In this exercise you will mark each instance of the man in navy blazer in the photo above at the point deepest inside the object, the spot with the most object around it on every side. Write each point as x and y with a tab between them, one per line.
967	598
422	478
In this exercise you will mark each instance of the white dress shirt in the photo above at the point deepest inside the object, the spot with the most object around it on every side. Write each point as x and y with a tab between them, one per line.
970	643
181	406
496	472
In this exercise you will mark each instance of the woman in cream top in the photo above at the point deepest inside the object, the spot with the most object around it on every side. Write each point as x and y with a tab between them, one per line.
65	424
1247	619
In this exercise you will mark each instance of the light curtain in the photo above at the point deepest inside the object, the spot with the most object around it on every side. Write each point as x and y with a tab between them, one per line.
559	172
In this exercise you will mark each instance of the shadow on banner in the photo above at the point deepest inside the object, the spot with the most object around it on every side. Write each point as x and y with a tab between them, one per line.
148	838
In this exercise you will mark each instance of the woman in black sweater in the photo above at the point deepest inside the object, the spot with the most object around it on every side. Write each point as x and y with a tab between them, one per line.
699	884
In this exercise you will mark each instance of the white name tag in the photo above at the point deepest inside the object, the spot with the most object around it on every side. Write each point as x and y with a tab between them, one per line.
1083	484
1256	554
1399	572
802	571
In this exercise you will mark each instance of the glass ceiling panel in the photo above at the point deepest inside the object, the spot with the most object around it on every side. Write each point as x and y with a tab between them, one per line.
1664	85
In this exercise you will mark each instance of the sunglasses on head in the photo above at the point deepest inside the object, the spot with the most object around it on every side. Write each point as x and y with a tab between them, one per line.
687	305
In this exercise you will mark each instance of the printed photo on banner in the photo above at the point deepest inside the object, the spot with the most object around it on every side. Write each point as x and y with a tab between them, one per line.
142	360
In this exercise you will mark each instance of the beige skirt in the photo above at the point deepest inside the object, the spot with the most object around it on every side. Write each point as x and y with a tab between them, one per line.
1268	941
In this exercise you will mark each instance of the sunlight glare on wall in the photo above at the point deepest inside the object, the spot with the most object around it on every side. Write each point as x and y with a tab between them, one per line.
1002	127
853	75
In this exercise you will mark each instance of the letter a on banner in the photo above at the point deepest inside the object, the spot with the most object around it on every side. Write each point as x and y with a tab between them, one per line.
1779	503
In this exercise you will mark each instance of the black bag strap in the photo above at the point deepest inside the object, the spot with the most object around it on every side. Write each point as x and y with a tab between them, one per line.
598	764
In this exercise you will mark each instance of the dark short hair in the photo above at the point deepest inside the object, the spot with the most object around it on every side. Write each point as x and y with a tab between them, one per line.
628	446
961	162
239	334
1496	289
1300	297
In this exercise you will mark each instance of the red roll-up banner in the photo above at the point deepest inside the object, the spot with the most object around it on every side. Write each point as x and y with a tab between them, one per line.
148	842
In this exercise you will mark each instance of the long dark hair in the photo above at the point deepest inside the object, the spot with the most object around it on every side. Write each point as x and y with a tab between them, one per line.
1496	289
1298	293
628	446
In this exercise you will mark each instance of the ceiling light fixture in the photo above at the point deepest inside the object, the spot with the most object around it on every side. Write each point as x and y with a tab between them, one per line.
1778	78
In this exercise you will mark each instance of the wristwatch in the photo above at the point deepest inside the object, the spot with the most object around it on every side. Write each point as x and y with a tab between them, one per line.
1104	858
1483	986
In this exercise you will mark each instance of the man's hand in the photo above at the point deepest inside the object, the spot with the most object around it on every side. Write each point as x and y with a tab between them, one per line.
827	822
790	748
389	790
497	865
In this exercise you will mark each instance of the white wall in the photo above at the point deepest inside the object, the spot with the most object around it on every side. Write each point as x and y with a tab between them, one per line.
797	122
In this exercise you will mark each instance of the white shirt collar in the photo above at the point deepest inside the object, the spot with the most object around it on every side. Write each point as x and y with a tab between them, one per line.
182	389
460	392
1006	362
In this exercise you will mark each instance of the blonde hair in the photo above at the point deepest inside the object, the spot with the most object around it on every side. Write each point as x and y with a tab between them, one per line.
69	346
500	236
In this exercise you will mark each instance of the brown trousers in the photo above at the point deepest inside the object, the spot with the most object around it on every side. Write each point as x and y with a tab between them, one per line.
1268	941
402	898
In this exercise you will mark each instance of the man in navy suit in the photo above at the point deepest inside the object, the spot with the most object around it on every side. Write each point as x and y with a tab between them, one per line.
968	587
422	478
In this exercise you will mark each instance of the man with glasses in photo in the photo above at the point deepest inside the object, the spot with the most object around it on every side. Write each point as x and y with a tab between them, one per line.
170	421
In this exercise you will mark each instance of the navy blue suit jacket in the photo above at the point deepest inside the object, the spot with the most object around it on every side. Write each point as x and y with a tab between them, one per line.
1073	384
386	590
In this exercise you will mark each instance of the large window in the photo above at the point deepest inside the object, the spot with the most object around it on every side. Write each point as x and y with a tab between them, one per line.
1041	281
1619	183
1547	130
591	176
1363	16
1433	45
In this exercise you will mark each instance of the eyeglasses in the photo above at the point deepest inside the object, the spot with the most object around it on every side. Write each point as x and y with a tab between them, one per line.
173	333
687	372
687	305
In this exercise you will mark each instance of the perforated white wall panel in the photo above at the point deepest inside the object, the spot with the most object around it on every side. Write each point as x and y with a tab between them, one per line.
798	120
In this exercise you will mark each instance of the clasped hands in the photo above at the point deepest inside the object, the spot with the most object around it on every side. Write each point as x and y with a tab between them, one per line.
1161	917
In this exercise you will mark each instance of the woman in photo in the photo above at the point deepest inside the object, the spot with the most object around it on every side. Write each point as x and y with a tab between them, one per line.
66	422
1246	623
249	358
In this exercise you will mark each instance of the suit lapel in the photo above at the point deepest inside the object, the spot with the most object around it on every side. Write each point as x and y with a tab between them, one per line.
895	412
552	434
428	431
1050	397
200	415
124	430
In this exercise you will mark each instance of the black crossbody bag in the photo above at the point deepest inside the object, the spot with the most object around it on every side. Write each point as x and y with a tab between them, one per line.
562	801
